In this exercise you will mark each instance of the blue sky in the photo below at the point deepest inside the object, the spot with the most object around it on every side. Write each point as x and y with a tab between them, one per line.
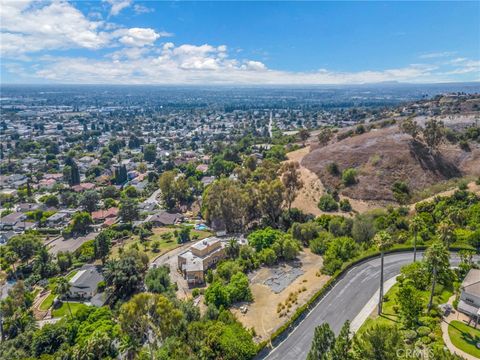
127	41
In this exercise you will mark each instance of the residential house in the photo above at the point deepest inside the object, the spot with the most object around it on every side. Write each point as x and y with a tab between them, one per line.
83	187
84	284
10	221
5	236
105	217
164	218
470	294
58	219
200	257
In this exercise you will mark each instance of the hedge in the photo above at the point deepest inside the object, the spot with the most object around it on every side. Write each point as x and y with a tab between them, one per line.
303	310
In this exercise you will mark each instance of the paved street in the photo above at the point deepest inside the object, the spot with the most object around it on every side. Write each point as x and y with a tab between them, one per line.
344	302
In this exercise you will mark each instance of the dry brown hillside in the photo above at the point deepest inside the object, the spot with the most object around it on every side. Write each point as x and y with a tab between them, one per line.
383	156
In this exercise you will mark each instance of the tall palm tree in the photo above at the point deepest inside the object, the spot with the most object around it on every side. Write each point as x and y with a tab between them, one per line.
383	240
445	231
11	258
416	224
233	248
437	259
62	288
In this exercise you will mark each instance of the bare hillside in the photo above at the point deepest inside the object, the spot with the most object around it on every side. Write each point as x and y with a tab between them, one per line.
384	156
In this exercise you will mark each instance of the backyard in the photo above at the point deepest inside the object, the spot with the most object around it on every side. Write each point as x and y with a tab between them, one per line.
162	241
63	309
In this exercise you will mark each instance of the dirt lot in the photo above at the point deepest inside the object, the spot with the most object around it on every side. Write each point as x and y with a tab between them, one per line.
262	313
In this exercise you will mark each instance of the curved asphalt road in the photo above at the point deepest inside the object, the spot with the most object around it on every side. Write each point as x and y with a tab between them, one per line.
342	303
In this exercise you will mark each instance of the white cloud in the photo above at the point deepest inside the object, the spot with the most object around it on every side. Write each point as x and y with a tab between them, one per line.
118	5
139	37
140	9
207	64
28	27
435	55
133	55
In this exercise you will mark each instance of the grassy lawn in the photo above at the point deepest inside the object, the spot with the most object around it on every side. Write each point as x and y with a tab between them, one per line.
390	317
47	302
71	275
63	309
158	236
464	337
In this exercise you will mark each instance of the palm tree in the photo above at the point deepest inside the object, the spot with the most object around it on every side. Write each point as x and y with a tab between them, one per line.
383	240
62	288
445	231
11	258
437	259
233	248
416	224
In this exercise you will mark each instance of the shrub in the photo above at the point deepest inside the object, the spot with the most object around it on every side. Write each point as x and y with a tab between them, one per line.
345	205
401	192
195	293
319	245
463	185
327	203
333	169
348	177
423	331
410	335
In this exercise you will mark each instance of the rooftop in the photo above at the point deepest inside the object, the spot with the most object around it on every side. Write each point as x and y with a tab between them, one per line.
471	283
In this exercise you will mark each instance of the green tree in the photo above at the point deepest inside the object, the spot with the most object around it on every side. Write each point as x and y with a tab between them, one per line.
270	200
157	279
226	202
89	200
81	222
383	240
410	127
343	344
379	342
324	136
101	246
437	259
128	210
149	153
410	303
291	179
416	224
62	289
446	232
304	134
24	246
323	342
349	177
125	275
433	134
327	203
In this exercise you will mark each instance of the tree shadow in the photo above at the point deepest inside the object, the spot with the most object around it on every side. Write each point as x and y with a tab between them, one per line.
433	161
